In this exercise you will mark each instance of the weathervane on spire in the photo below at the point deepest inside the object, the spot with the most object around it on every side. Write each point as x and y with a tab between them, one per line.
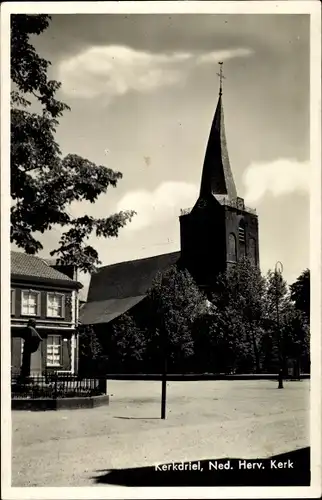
221	77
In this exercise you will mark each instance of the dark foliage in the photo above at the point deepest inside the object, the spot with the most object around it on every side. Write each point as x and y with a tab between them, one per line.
237	332
43	183
300	292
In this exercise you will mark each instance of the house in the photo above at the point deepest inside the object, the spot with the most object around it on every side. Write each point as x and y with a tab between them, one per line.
49	295
217	232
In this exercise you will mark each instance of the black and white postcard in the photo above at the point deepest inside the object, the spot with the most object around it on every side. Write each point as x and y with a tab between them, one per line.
161	249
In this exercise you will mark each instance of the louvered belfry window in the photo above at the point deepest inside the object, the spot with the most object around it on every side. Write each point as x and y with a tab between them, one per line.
241	238
241	234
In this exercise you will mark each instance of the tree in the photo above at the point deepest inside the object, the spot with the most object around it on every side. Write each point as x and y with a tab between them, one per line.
300	293
295	336
287	327
43	183
173	304
128	345
241	293
219	342
92	360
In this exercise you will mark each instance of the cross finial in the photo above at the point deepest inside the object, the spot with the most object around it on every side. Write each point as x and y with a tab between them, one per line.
221	77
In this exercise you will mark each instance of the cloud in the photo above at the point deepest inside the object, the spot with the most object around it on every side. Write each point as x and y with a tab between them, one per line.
280	177
115	70
158	206
223	55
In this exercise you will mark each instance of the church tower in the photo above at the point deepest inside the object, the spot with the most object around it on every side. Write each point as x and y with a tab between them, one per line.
219	230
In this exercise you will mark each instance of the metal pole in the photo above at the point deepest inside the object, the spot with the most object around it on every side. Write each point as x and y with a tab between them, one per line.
164	393
278	270
164	334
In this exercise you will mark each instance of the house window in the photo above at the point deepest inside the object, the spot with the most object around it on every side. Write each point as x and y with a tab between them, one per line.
30	303
55	305
54	350
232	248
12	301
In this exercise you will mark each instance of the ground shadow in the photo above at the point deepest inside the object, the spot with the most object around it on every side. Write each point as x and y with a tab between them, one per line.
139	418
287	469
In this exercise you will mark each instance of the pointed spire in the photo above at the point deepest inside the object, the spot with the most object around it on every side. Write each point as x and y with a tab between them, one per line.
221	77
217	177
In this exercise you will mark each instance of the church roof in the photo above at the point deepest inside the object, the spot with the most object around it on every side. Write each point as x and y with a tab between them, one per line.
217	177
116	288
104	311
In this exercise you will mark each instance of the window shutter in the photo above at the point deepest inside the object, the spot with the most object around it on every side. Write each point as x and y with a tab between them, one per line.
16	356
13	301
66	353
39	304
22	301
63	306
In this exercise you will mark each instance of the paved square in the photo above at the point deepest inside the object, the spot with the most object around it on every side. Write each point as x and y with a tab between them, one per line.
205	420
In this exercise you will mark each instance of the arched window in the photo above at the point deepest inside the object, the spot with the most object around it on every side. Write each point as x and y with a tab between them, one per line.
241	239
232	248
252	251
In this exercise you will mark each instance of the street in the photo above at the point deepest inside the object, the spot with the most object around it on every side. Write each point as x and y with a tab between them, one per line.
205	420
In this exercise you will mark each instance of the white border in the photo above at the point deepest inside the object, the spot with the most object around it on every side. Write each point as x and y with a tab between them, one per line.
165	7
239	7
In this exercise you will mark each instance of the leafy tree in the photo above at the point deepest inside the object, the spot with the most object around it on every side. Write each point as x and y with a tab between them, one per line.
295	333
277	299
43	183
92	360
287	329
277	292
173	304
241	294
219	342
128	345
300	292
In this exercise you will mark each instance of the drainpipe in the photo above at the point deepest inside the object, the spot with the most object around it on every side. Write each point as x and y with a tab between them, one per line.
76	350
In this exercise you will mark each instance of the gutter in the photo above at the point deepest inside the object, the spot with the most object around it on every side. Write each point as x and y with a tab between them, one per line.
74	285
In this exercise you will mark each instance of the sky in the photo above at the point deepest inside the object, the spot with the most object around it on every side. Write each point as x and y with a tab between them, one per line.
143	90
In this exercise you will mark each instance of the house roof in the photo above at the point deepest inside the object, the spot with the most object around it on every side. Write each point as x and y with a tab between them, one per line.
117	288
24	265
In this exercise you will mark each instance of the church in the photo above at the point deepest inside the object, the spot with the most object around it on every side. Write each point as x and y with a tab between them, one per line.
217	232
